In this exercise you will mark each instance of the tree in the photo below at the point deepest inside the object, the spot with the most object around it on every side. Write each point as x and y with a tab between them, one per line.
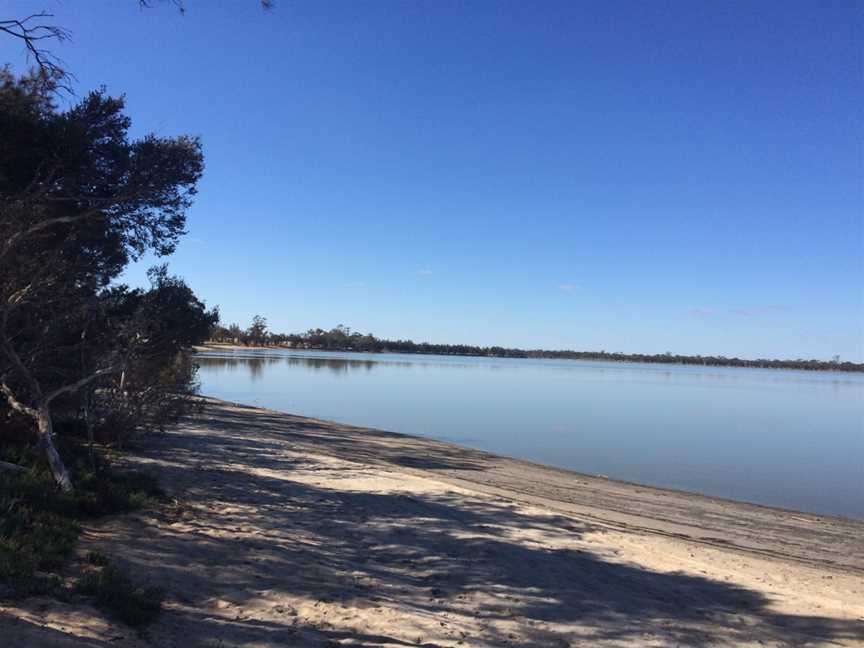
156	383
235	332
78	201
257	332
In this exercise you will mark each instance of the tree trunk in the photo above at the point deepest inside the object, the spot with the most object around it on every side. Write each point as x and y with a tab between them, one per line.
88	423
42	415
45	426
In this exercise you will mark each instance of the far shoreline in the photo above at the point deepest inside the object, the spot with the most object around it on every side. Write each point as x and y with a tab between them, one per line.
220	346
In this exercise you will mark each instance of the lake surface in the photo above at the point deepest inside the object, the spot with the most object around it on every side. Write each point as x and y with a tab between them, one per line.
793	439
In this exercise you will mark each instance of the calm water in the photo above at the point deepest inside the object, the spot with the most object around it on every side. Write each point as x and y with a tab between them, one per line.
793	439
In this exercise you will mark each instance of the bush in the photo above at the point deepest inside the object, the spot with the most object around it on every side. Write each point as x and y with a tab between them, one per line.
107	491
155	395
117	594
97	558
39	524
33	536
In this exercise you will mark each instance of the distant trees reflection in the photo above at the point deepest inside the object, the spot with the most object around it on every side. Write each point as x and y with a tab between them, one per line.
342	338
255	365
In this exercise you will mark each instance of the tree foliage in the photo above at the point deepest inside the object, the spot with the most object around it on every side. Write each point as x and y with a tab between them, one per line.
79	200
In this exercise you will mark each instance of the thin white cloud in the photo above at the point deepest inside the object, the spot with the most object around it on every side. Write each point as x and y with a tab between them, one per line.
354	284
424	272
749	312
758	311
568	287
702	312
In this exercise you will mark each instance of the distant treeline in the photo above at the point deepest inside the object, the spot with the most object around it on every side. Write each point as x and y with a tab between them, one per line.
342	338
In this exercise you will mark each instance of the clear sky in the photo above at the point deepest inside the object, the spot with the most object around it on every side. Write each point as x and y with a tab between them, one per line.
628	176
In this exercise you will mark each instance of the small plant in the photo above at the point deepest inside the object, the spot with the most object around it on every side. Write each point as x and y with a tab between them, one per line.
97	558
33	537
115	592
39	525
108	491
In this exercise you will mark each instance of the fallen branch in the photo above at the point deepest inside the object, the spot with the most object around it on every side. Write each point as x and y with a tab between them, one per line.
5	466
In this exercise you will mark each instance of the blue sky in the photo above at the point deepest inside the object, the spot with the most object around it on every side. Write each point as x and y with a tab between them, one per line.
624	176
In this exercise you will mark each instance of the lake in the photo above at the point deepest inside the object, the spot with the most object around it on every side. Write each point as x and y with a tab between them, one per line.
793	439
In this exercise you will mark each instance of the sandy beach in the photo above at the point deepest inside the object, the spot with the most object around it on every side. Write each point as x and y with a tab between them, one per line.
289	531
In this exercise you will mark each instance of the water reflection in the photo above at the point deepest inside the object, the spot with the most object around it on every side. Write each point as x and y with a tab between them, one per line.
341	362
255	365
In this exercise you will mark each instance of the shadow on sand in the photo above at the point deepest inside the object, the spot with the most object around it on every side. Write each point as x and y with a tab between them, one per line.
250	538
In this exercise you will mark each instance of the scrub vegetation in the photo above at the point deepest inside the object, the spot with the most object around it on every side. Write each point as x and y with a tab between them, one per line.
86	362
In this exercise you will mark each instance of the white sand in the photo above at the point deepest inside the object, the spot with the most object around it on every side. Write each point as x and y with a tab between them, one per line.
295	532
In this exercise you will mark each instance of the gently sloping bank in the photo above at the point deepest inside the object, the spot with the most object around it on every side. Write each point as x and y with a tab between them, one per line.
298	532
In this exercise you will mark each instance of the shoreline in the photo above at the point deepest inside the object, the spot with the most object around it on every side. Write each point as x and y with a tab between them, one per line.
659	491
220	346
730	495
609	499
286	530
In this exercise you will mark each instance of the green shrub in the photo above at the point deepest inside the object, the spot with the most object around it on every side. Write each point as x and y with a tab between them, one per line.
35	535
107	492
33	541
97	558
115	592
39	525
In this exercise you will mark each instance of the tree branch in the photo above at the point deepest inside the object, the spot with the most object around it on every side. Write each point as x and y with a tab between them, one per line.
14	403
73	387
16	361
31	31
5	466
9	243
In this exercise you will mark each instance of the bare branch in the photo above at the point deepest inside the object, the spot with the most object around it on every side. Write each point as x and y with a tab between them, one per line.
181	5
14	403
10	242
32	30
5	466
73	387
